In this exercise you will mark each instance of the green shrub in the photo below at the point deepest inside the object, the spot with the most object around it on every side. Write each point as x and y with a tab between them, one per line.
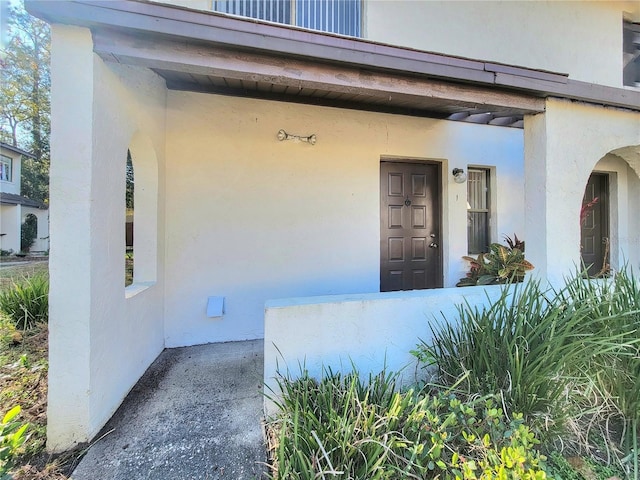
28	232
527	347
616	373
26	302
12	437
341	427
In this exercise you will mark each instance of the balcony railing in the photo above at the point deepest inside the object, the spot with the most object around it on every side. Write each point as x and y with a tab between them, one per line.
335	16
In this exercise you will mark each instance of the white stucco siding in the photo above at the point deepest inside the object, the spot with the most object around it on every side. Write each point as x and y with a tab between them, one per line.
12	186
100	341
251	218
10	222
562	147
41	242
128	100
371	332
583	39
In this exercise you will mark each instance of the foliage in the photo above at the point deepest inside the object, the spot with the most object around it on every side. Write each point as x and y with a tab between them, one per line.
26	302
25	97
537	348
501	264
5	253
341	427
12	437
616	374
28	232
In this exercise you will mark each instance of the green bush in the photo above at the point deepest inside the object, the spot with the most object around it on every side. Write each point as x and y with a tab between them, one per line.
26	302
28	232
12	437
518	348
538	348
341	427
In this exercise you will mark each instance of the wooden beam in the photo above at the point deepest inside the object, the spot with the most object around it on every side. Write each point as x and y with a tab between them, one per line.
166	54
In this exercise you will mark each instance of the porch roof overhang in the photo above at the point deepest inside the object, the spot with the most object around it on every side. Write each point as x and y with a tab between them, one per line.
217	53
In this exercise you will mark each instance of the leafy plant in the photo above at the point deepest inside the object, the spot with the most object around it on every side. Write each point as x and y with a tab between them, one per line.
616	373
528	347
12	437
28	233
342	427
26	302
502	264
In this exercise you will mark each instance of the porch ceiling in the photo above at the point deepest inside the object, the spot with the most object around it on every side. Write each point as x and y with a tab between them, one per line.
212	68
216	53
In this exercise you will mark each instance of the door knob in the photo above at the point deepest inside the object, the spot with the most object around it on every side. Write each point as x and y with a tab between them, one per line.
433	245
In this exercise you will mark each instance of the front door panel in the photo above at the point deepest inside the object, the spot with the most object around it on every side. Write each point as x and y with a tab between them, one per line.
594	228
409	226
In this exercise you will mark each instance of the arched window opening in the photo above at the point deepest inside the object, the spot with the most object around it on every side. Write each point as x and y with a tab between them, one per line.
141	208
129	202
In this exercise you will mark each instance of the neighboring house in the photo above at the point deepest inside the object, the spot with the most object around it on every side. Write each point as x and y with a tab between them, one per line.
272	161
14	208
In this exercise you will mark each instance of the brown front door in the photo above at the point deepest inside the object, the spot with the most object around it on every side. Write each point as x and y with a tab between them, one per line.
594	231
409	226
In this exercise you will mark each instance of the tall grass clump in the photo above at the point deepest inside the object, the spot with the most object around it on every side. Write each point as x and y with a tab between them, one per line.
527	347
342	427
537	348
26	301
615	375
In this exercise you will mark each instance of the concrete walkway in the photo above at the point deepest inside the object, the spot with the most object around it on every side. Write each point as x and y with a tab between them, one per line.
195	414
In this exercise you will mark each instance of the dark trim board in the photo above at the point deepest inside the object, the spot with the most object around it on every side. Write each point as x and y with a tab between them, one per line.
183	26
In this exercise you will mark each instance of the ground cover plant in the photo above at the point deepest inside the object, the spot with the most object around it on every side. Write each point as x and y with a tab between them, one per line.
343	427
568	358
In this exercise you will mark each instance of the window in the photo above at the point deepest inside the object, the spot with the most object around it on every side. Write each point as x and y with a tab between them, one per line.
5	168
335	16
631	54
478	212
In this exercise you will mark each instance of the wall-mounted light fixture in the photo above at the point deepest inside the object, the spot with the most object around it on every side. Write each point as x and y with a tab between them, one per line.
459	176
282	135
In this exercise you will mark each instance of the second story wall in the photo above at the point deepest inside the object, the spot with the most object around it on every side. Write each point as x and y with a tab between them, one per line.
10	171
583	39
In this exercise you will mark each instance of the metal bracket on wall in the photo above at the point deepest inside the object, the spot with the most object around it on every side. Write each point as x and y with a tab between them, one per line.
282	135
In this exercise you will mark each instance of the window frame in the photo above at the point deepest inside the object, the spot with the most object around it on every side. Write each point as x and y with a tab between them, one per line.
487	210
290	15
6	168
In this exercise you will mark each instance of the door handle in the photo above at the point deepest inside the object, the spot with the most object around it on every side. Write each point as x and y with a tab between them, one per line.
433	245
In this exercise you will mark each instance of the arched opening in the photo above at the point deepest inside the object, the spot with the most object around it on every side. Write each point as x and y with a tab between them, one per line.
129	206
141	212
609	223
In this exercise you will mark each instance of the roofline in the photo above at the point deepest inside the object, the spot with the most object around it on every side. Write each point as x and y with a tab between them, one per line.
254	35
6	146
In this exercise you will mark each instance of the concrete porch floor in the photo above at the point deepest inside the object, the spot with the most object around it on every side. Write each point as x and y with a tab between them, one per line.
195	414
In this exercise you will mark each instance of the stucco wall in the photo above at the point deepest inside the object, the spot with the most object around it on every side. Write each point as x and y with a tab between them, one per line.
251	218
41	242
16	172
10	216
562	147
100	341
372	332
583	39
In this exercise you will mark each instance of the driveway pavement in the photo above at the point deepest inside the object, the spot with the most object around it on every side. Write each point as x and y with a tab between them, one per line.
195	414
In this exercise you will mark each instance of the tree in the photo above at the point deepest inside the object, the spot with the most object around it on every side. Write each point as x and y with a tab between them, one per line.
25	107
